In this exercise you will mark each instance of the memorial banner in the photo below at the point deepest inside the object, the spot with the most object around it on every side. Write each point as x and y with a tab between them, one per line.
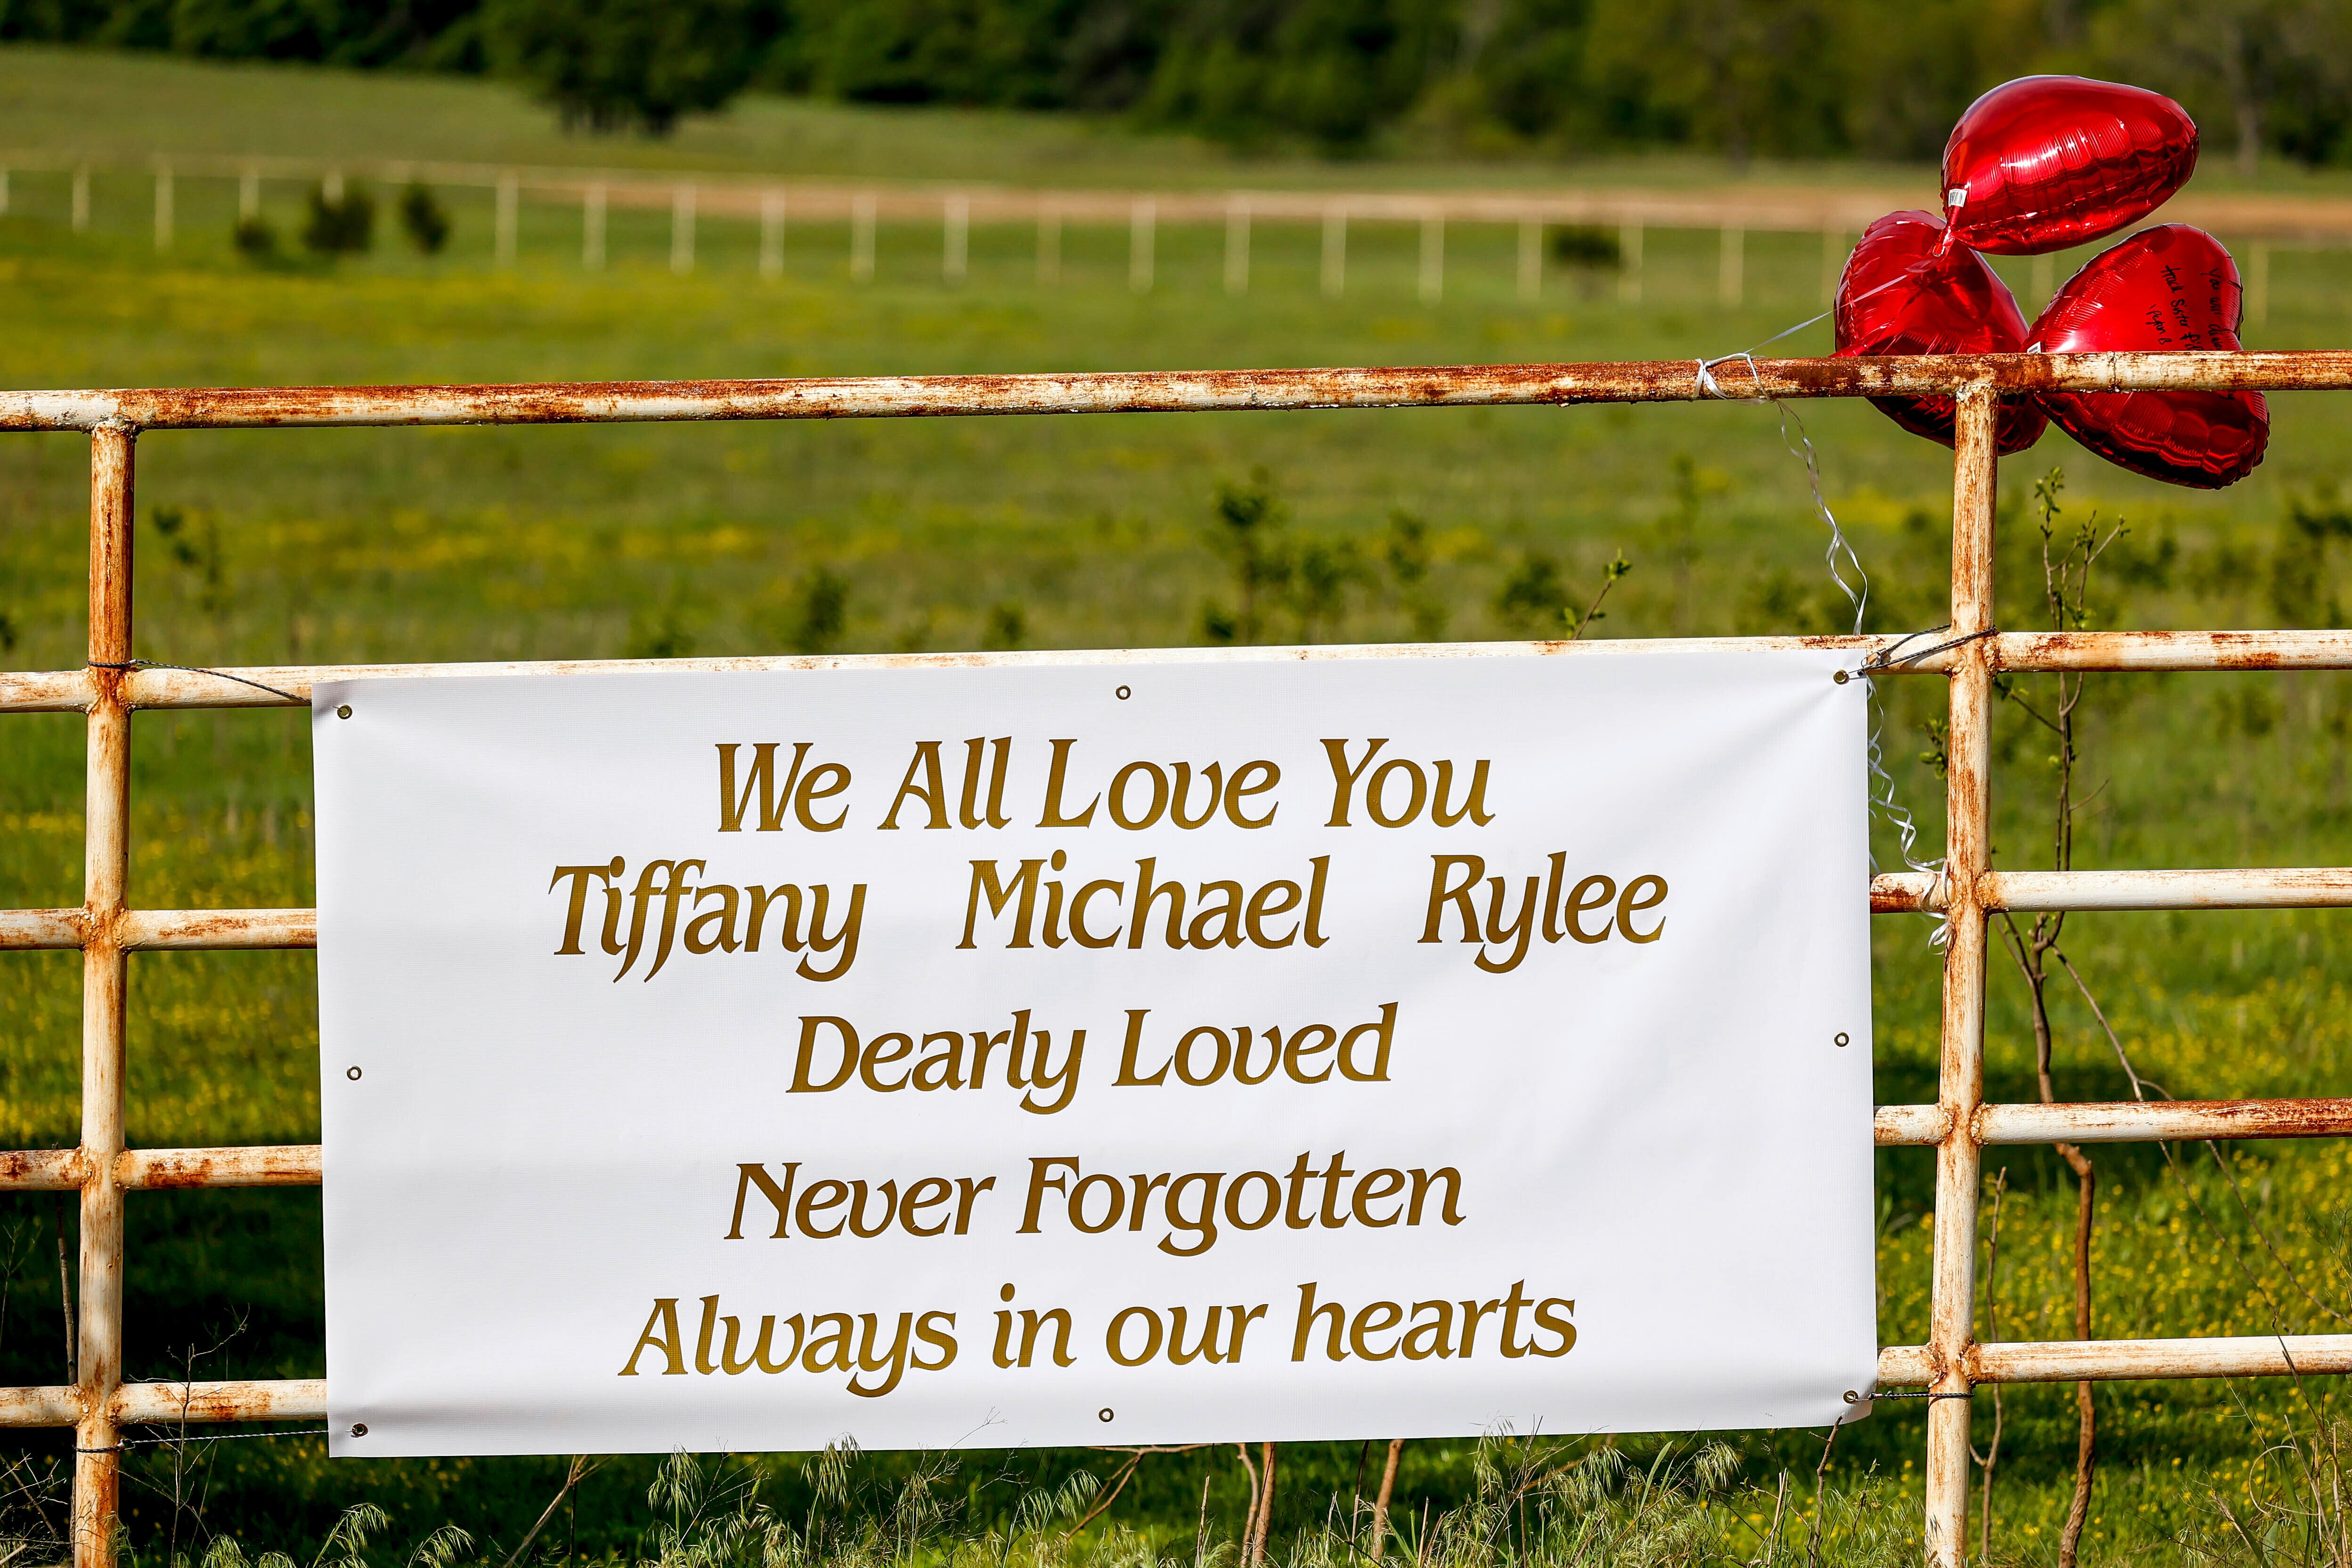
1096	1048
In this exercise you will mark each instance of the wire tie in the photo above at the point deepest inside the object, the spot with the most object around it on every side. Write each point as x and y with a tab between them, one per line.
219	1438
1880	662
1713	388
194	670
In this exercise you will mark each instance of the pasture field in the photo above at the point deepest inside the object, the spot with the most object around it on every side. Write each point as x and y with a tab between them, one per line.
259	546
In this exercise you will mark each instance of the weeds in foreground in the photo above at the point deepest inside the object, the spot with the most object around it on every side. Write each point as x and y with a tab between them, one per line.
1568	1504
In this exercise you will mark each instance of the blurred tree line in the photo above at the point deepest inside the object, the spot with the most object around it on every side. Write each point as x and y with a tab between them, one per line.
1744	78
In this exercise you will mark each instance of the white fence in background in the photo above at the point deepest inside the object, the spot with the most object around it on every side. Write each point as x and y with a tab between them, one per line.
2257	223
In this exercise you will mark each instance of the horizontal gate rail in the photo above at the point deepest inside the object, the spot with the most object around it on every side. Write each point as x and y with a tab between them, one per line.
2284	887
1165	391
2013	652
1958	1126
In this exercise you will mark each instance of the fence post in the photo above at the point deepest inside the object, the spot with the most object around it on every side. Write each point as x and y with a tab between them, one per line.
1960	1069
861	237
509	218
1432	259
163	206
249	195
772	233
3	189
681	230
1237	245
1049	244
1731	282
1142	242
592	228
98	1458
1530	257
2258	279
81	198
955	240
1335	251
331	184
1629	260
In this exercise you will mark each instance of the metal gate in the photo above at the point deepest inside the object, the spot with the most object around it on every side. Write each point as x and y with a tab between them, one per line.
113	685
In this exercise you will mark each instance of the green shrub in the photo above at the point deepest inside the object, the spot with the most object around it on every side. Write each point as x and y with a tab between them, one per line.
255	240
1587	244
423	219
341	225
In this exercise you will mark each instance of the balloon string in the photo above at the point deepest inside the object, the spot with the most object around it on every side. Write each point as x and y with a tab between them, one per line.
1908	273
1840	558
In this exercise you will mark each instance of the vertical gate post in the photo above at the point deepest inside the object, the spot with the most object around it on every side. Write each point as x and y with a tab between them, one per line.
1960	1073
106	860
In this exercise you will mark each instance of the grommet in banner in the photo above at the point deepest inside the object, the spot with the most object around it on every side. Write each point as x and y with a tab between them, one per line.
1840	676
1124	692
1103	1414
1852	1397
1844	1042
353	1073
358	1428
344	711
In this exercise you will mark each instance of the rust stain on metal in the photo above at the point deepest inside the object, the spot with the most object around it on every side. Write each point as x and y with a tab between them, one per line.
2067	1360
41	1170
2164	1121
161	1404
34	928
151	929
274	1165
53	1405
1900	1127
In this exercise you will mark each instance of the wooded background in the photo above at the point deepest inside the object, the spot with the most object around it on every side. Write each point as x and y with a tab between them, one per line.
1346	78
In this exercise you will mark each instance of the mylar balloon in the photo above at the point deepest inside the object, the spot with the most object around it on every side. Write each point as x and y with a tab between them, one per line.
2045	162
2169	289
1900	295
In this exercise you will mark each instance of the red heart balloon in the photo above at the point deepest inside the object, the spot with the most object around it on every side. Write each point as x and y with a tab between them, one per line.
1902	293
2169	289
2044	162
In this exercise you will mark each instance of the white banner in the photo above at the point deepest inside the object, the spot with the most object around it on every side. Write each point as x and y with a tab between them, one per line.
1095	1052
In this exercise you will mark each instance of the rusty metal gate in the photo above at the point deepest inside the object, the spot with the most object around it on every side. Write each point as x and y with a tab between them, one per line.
113	685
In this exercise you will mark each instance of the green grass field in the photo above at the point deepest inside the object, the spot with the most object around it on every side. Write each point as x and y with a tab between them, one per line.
261	547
